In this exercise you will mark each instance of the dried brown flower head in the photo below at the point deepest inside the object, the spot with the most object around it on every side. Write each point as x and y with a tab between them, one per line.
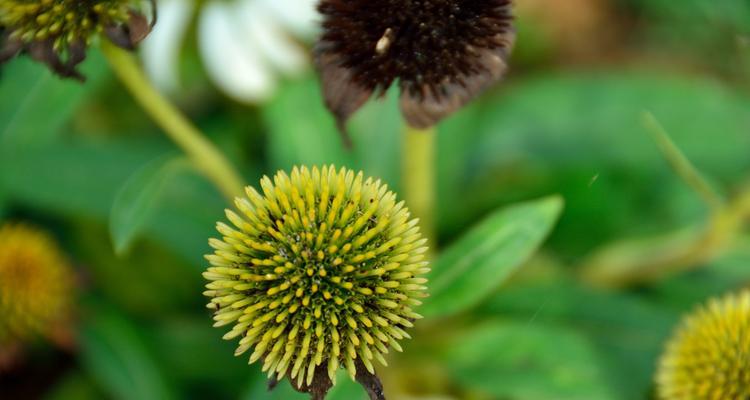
442	52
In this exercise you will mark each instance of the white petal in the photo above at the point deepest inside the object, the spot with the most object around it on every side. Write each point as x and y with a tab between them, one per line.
263	30
160	51
232	61
297	16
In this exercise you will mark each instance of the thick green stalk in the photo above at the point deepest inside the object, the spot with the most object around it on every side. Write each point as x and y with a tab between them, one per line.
418	177
202	152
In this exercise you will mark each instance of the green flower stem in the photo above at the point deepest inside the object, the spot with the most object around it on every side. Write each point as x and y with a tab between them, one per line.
681	164
418	177
204	154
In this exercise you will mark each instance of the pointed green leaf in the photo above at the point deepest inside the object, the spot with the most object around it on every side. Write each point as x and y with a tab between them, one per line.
258	390
35	104
346	389
469	270
137	200
312	138
526	361
627	330
114	355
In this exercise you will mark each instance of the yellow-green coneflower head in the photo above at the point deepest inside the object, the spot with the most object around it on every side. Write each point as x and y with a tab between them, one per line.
36	284
57	32
320	270
709	356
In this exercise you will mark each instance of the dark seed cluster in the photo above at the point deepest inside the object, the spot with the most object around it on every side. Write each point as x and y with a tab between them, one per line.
57	32
442	52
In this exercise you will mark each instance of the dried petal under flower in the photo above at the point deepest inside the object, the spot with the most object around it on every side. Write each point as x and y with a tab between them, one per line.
320	271
443	53
57	32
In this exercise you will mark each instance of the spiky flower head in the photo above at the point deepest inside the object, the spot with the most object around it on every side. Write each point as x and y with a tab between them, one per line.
36	284
57	32
709	356
443	53
320	270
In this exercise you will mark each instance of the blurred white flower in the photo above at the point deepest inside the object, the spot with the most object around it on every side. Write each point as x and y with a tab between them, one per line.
246	45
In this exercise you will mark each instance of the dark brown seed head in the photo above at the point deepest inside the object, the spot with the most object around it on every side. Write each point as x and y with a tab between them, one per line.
442	53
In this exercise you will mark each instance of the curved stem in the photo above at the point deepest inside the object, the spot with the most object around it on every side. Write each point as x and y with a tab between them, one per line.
418	177
681	164
202	152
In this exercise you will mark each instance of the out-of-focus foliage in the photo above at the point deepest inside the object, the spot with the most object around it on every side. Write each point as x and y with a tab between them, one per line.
510	317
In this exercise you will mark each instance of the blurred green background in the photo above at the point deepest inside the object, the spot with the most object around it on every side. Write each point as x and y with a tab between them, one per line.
517	321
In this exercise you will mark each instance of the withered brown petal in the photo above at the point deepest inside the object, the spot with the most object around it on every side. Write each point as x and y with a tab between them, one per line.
369	381
341	94
320	386
120	36
138	27
9	48
44	51
77	53
425	109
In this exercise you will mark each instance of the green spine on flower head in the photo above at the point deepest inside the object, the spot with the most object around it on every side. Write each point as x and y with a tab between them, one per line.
709	356
321	270
57	32
36	284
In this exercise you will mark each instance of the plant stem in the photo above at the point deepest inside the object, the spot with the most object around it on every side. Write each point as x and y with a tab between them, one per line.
637	262
681	164
418	177
202	152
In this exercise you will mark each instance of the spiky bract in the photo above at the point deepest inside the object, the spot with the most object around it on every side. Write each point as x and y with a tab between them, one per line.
57	32
36	284
709	356
321	269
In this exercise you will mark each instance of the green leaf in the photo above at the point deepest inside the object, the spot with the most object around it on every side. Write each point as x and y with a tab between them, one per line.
73	386
558	133
136	202
186	217
76	179
190	349
3	207
312	138
346	389
70	178
471	269
627	330
283	391
35	104
165	281
113	353
526	361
